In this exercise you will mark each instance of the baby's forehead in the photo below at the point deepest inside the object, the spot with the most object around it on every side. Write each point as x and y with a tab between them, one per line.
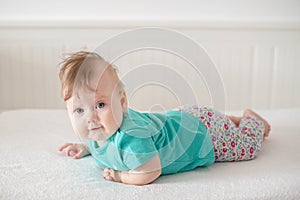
82	93
85	92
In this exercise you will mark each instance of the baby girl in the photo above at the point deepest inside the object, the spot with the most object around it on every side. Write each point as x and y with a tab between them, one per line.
136	147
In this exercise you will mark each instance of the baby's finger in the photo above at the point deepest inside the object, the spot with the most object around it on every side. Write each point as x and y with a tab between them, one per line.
105	175
62	147
109	178
106	170
78	155
70	151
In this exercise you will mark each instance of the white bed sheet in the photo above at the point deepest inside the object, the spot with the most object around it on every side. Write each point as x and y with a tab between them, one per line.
32	168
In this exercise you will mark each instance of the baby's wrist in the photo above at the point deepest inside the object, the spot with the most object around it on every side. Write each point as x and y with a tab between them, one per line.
118	176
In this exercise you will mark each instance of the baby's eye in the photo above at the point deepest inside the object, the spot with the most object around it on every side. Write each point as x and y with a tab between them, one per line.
78	110
100	105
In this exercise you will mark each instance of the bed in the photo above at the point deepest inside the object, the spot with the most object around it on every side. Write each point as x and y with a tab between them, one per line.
32	168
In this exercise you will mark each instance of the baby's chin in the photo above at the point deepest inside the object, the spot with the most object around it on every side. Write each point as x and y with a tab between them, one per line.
96	135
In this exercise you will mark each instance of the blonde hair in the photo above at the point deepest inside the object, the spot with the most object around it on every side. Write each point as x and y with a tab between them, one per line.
76	71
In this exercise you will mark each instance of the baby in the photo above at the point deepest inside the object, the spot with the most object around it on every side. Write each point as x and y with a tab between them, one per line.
136	148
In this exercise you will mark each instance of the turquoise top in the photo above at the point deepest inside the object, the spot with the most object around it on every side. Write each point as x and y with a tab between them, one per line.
179	139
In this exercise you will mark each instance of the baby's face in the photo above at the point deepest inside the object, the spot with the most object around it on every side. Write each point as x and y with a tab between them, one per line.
97	115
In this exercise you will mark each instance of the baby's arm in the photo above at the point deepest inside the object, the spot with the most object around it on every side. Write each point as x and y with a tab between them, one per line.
145	174
75	150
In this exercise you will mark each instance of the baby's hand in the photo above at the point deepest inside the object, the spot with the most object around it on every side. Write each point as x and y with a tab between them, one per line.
111	175
75	150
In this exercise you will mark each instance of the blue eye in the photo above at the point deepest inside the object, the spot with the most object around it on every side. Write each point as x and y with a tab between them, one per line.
79	110
100	105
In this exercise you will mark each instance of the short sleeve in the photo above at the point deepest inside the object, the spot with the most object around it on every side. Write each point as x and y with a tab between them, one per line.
135	150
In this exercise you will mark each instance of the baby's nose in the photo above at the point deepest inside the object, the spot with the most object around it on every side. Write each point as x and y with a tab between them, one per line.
92	117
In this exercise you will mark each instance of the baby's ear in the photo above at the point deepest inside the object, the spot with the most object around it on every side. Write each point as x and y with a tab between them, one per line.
124	102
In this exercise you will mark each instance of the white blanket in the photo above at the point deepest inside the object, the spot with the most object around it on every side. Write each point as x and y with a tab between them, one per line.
32	168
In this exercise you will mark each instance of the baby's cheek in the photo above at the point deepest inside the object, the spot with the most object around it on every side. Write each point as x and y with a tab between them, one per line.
80	127
117	118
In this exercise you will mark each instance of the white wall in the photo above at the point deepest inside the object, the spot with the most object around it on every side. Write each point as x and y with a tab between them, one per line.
255	45
237	10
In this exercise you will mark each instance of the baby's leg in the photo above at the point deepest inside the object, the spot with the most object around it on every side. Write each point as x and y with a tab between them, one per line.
251	130
251	134
249	112
221	128
234	138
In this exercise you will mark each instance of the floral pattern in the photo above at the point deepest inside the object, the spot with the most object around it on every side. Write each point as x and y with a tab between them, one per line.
231	143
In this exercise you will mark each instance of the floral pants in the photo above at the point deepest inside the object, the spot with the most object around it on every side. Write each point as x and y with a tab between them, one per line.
231	143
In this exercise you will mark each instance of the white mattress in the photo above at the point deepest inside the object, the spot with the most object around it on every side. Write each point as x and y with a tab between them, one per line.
32	168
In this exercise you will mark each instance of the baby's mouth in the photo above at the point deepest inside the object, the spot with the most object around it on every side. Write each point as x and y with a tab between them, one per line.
94	127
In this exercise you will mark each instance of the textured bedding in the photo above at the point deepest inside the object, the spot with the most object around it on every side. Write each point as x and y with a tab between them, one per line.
32	168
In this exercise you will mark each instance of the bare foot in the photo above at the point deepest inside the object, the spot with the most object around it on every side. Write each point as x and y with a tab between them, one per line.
235	120
248	112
